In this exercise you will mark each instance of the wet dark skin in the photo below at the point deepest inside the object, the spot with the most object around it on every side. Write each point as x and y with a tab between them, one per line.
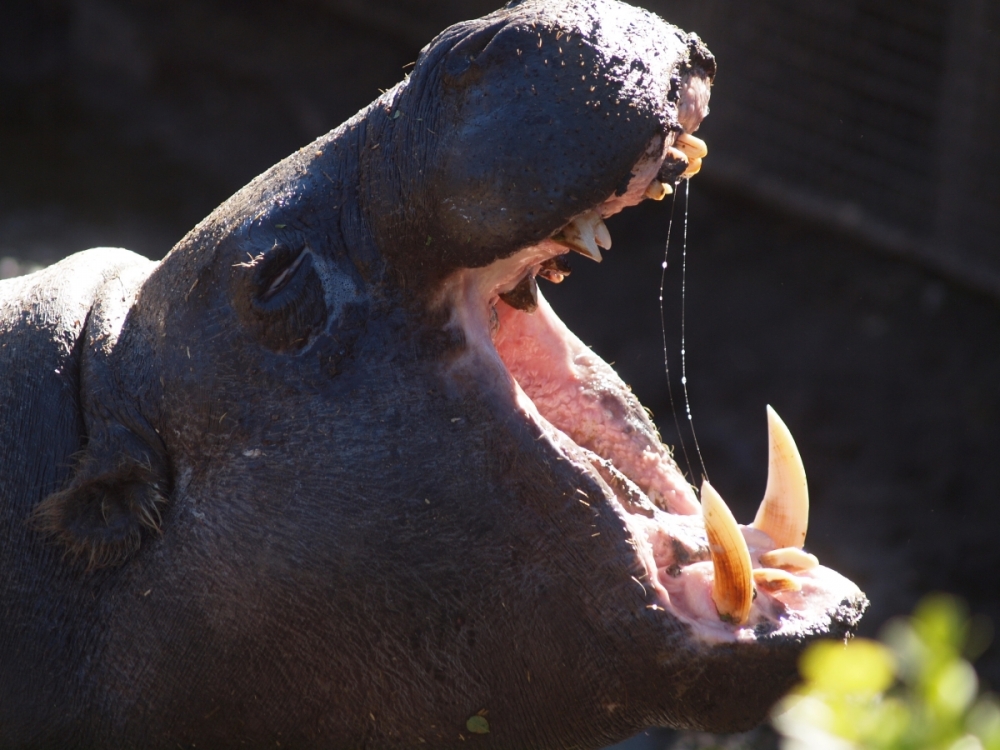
244	498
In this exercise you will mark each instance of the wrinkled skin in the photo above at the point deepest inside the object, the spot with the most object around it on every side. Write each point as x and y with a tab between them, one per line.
268	490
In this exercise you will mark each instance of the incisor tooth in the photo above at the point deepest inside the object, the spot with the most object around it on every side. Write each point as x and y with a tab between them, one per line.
658	190
771	579
732	588
789	558
784	513
695	148
584	234
694	167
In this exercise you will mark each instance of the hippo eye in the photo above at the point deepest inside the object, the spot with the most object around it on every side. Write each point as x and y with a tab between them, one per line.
279	283
283	301
277	270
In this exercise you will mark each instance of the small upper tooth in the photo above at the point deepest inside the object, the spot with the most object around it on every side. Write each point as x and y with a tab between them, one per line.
585	234
784	513
694	167
789	558
555	269
559	264
732	587
587	246
602	235
695	148
658	190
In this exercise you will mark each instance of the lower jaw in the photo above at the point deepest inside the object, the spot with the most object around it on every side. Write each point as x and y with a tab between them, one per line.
578	402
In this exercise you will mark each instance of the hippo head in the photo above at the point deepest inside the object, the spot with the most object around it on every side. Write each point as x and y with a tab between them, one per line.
380	494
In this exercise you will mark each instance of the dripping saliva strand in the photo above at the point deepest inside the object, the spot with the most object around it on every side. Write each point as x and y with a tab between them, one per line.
683	339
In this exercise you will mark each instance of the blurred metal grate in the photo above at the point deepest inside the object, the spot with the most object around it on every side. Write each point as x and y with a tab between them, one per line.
878	116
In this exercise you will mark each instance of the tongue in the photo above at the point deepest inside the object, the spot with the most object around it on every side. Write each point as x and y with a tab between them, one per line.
581	395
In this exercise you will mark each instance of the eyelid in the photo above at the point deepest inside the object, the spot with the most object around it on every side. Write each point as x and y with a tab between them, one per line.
284	276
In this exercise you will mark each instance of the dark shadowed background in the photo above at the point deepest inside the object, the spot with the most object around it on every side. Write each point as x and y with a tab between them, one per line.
843	261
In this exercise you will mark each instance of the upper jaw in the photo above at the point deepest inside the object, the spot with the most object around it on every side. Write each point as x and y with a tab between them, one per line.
667	159
510	126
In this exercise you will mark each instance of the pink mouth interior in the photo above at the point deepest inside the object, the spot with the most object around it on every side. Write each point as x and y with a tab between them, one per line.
580	395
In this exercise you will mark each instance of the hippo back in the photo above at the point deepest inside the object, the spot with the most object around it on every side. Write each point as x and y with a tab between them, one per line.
42	322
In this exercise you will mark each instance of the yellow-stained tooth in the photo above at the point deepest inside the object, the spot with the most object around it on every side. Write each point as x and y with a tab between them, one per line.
789	558
695	148
658	190
784	513
732	588
772	579
694	167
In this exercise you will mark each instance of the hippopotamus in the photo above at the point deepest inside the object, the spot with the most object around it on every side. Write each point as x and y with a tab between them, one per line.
334	474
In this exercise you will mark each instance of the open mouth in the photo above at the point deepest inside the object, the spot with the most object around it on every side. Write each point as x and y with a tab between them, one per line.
728	582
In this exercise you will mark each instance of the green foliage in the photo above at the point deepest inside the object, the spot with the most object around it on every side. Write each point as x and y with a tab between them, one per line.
913	689
478	724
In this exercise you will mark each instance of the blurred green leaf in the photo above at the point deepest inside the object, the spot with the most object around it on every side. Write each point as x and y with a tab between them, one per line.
862	666
955	687
940	621
477	725
911	691
984	722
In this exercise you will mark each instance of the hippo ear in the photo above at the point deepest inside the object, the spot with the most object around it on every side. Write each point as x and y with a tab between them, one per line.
114	499
279	296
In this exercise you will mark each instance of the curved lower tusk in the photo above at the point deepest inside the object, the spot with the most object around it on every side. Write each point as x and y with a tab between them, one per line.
732	587
784	513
